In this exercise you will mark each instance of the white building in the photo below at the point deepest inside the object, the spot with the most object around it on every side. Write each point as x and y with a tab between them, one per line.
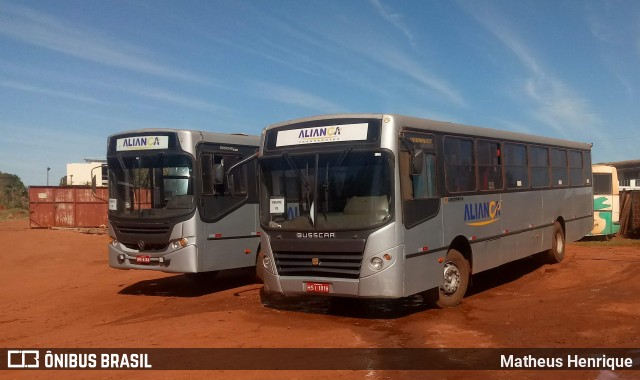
80	173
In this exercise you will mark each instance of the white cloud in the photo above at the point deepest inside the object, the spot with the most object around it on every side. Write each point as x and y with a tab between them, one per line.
39	29
394	18
293	96
551	101
49	92
172	97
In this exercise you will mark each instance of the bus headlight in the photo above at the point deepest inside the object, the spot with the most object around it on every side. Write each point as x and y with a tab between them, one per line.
266	261
179	243
376	264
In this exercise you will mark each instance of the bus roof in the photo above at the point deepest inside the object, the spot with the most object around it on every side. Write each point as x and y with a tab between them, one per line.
446	127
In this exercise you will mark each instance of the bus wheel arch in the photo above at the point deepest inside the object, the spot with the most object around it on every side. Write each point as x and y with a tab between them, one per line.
461	244
456	274
252	272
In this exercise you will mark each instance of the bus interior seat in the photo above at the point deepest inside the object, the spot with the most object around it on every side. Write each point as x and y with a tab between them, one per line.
180	202
366	205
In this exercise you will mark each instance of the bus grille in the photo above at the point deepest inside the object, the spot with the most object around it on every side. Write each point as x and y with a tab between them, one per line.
155	237
146	230
319	264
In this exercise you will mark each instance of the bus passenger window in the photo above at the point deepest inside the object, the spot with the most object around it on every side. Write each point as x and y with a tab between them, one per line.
576	174
424	184
559	167
539	162
489	165
516	168
459	165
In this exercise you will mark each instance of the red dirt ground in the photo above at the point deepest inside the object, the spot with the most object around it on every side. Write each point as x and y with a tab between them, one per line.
57	291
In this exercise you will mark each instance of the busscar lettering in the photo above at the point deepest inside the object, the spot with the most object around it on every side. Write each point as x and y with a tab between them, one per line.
316	235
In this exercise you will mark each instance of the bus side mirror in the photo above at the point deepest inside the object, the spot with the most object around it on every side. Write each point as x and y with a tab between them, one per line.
218	174
417	162
93	185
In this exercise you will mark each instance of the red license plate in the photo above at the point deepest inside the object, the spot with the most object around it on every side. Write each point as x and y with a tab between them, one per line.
317	287
143	259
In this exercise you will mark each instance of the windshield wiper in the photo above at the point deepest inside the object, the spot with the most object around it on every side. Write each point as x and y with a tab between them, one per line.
305	184
325	186
127	177
306	192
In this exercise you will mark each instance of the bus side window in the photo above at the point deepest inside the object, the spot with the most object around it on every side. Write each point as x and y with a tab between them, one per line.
424	184
420	191
489	165
559	177
516	166
211	185
576	172
206	168
539	163
237	176
459	164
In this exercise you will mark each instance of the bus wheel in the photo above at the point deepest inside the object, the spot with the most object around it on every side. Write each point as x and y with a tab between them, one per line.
455	280
556	253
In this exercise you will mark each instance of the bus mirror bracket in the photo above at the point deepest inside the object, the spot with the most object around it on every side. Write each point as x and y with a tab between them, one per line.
234	166
94	185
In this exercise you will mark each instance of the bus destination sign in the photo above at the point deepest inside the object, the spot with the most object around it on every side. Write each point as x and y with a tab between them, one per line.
142	143
323	134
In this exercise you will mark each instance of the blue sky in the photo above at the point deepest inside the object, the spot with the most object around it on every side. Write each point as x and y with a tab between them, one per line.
74	72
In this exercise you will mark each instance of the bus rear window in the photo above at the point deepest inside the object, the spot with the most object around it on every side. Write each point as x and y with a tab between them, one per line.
602	183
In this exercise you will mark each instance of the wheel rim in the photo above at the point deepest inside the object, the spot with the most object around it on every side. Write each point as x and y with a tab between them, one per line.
559	243
451	281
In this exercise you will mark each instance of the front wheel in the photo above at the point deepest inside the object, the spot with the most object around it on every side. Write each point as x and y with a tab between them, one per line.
455	280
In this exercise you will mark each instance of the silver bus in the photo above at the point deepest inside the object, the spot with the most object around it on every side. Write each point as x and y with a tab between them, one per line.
387	206
182	201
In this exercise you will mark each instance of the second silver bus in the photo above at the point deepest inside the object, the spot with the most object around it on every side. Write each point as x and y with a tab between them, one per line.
386	206
182	201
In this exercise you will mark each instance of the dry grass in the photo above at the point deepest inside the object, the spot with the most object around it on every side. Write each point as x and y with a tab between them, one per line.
14	213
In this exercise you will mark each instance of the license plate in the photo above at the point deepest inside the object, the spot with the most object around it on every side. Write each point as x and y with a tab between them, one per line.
143	259
317	287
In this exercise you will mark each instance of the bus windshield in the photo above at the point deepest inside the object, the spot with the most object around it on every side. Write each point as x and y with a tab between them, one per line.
341	190
158	185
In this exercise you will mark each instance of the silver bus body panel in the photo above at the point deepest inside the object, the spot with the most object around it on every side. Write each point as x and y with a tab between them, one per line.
239	233
204	253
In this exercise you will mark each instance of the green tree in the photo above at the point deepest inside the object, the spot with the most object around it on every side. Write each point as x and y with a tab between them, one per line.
13	193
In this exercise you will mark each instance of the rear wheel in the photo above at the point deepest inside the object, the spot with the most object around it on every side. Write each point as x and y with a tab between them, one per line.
455	280
556	253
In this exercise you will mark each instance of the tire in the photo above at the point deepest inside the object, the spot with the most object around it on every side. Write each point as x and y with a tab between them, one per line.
455	280
556	253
